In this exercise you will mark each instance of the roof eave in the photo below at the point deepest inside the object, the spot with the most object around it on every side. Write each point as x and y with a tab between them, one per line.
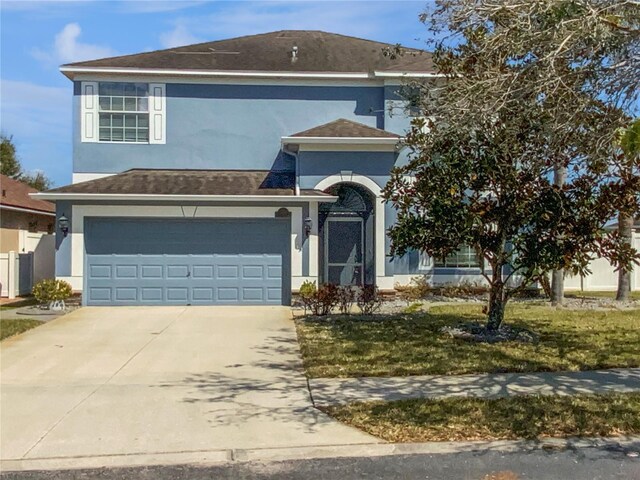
341	140
35	211
70	71
135	197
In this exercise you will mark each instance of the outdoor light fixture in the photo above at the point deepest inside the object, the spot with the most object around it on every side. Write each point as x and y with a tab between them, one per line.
63	224
308	224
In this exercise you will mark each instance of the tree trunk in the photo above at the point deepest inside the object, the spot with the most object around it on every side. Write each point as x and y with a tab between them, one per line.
496	306
625	228
557	287
557	276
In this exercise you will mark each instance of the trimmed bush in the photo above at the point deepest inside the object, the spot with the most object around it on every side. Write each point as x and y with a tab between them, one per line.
51	290
307	293
368	299
318	300
346	298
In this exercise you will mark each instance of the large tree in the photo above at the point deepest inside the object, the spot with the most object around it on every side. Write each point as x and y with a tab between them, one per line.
520	100
10	166
9	163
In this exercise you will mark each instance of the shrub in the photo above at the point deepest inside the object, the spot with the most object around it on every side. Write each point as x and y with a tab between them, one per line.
306	293
318	300
326	298
51	290
368	299
346	298
462	289
418	288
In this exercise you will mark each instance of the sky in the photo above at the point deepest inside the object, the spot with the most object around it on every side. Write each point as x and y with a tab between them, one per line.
38	36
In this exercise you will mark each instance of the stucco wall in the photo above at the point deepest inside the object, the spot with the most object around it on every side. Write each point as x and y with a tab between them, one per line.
217	126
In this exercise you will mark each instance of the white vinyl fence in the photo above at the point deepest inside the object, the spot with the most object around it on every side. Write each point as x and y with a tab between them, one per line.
603	275
19	271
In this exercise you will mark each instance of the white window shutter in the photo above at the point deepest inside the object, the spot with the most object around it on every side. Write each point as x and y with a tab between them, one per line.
89	112
157	113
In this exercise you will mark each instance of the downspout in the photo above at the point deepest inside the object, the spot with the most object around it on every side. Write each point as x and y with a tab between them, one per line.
297	167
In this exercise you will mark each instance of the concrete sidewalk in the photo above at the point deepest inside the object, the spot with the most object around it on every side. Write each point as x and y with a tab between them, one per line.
339	391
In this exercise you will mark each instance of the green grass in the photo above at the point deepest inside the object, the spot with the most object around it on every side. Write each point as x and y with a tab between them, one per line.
413	345
635	295
522	417
14	326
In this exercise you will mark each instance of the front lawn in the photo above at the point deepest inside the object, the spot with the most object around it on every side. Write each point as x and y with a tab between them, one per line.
396	345
522	417
14	326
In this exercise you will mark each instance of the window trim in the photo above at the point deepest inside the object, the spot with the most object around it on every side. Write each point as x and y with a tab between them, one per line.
89	120
441	263
125	112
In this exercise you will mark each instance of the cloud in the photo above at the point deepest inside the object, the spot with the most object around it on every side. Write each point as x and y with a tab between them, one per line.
177	37
66	48
39	118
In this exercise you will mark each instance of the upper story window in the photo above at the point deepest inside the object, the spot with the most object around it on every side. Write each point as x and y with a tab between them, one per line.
464	257
123	112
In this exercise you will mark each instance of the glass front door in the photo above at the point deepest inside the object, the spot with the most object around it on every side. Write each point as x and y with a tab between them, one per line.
343	249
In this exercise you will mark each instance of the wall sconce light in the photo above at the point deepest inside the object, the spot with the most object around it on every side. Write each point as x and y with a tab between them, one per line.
308	225
63	225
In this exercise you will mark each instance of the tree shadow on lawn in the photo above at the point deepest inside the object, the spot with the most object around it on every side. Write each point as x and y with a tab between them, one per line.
513	418
391	345
269	388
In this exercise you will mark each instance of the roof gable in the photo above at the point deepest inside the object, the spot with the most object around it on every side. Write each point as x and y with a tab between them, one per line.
315	51
343	128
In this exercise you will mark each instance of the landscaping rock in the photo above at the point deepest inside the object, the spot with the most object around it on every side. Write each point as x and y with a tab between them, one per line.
475	332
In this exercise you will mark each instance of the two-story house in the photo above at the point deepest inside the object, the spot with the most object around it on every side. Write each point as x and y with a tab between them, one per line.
232	171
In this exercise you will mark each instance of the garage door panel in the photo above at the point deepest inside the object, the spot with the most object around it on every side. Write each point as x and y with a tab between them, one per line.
151	271
151	294
222	262
126	271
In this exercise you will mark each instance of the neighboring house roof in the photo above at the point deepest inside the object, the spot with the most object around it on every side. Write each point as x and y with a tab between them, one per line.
343	128
282	51
15	196
189	183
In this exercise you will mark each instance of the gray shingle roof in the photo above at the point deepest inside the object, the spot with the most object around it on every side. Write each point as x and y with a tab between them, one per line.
345	128
272	52
190	182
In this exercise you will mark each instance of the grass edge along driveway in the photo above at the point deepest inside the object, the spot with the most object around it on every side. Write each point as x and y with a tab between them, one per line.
14	326
399	345
519	417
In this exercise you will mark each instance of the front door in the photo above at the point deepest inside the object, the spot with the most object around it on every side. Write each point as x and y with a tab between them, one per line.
343	249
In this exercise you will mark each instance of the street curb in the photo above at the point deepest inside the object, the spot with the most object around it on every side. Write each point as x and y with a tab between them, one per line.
627	444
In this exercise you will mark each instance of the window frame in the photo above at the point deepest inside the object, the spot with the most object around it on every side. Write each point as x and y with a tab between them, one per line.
477	264
89	120
124	112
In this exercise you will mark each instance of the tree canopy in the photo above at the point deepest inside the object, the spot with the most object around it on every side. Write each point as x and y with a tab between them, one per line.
526	91
10	166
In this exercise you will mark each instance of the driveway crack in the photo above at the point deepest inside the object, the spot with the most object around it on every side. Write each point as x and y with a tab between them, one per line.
154	335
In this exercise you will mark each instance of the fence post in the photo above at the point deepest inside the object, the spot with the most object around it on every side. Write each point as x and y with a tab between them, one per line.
12	271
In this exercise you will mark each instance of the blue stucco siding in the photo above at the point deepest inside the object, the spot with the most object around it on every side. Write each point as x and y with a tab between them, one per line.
215	126
315	166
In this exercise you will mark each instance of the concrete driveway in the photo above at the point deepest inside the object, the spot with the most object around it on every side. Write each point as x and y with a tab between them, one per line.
112	382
